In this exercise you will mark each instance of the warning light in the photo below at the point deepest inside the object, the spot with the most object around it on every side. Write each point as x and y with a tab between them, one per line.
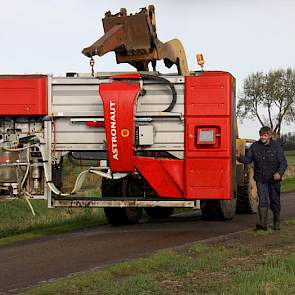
200	60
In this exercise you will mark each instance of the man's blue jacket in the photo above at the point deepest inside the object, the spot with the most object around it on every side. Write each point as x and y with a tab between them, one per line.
268	159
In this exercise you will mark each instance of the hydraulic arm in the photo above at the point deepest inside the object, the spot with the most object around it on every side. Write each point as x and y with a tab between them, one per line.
134	40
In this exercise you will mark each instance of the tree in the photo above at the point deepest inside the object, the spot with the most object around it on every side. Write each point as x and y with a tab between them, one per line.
270	98
288	141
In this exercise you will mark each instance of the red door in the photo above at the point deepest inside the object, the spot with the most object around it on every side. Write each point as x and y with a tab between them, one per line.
209	136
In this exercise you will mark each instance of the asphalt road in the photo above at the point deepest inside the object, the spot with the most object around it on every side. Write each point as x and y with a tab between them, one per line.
28	263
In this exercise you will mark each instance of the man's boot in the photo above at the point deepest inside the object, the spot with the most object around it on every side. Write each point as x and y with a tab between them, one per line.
262	225
276	221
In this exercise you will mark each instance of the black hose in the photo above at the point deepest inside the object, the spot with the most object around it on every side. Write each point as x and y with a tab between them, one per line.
164	81
73	160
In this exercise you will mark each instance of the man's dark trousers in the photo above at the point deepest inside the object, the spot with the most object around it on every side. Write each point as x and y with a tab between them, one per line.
269	196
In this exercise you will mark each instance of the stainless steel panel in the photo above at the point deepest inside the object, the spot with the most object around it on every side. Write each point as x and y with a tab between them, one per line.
79	97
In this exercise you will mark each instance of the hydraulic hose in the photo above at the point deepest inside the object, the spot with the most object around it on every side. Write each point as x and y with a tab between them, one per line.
18	149
26	196
72	159
163	81
79	180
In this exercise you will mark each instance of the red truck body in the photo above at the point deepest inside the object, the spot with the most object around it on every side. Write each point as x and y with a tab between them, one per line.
23	95
206	172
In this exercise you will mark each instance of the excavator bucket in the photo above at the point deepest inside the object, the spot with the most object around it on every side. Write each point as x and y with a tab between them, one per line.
134	40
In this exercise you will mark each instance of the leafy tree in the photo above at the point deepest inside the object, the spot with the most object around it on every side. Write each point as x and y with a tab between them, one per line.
270	98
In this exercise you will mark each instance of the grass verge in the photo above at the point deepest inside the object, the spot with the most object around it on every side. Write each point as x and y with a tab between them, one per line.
251	263
290	155
17	222
288	185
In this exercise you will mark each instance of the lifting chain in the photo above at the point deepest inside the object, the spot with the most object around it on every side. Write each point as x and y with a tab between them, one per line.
92	62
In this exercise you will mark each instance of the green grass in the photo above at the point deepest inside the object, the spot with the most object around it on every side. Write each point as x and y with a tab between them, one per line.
17	221
91	186
274	276
248	264
288	185
290	155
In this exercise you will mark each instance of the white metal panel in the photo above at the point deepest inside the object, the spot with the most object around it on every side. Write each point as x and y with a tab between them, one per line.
79	97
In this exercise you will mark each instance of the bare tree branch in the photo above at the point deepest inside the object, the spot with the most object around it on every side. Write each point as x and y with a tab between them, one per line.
272	94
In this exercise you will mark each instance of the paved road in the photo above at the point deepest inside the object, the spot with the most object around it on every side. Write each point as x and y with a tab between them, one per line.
28	263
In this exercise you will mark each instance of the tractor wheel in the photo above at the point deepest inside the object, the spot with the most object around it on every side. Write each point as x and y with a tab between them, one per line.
127	187
218	209
247	201
159	212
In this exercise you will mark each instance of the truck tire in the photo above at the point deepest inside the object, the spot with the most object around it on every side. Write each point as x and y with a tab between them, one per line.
159	212
247	200
121	188
218	209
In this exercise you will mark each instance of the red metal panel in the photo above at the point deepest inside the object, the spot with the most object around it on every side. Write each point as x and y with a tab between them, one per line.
126	76
208	179
118	102
23	95
208	106
222	148
208	94
94	124
165	176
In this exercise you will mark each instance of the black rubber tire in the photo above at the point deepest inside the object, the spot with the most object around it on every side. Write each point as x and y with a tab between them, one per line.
113	188
159	212
133	187
218	209
247	199
120	188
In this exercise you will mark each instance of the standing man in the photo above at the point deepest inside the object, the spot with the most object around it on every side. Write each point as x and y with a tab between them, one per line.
269	166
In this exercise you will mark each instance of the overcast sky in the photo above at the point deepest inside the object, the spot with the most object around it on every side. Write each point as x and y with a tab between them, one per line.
238	36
